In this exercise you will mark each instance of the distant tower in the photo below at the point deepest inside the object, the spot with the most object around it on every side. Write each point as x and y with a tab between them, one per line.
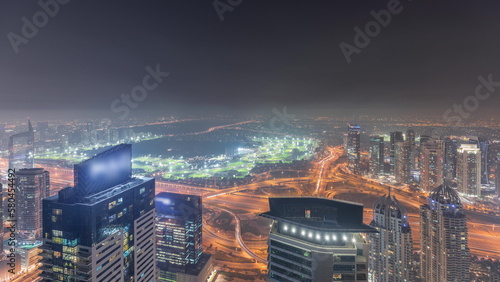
402	162
376	155
450	159
396	136
353	147
179	238
410	138
469	170
431	166
444	238
391	248
483	145
22	149
316	239
497	178
32	185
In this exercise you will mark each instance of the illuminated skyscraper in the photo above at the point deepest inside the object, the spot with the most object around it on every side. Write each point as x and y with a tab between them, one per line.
22	149
179	238
402	162
483	145
469	170
376	155
353	147
410	138
32	185
431	166
316	239
390	248
450	159
396	136
497	178
103	228
444	252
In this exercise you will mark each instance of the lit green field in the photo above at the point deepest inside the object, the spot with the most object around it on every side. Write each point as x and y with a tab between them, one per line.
269	150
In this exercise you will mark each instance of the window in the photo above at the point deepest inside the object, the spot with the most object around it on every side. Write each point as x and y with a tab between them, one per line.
57	254
56	212
57	233
143	189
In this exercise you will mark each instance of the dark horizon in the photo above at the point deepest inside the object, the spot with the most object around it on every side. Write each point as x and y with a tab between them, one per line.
261	56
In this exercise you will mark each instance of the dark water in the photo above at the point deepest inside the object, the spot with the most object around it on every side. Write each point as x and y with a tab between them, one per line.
186	148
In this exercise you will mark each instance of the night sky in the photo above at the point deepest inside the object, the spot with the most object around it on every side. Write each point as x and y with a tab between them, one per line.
264	54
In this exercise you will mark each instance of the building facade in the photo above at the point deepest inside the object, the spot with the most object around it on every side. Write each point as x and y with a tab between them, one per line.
103	228
317	239
402	169
395	137
353	147
390	248
444	238
431	166
32	185
376	155
469	170
179	238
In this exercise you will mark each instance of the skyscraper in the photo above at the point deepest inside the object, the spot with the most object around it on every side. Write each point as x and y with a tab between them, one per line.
396	136
22	149
469	170
402	162
103	228
483	145
450	159
353	147
431	166
410	138
316	239
444	238
497	178
179	238
390	248
32	185
376	155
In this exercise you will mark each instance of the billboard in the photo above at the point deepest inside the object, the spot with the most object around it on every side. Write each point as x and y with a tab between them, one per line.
103	171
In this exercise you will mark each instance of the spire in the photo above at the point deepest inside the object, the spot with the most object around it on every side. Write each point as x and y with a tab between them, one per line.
389	191
30	127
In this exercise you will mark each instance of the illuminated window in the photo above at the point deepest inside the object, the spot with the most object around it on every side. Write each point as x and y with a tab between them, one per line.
142	190
57	233
56	212
57	240
57	254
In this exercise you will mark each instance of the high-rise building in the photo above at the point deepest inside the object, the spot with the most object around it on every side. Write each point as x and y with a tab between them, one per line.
376	155
469	170
1	219
412	147
483	145
431	166
22	149
317	239
390	248
395	137
450	159
402	170
444	238
103	228
32	185
353	147
424	139
179	238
